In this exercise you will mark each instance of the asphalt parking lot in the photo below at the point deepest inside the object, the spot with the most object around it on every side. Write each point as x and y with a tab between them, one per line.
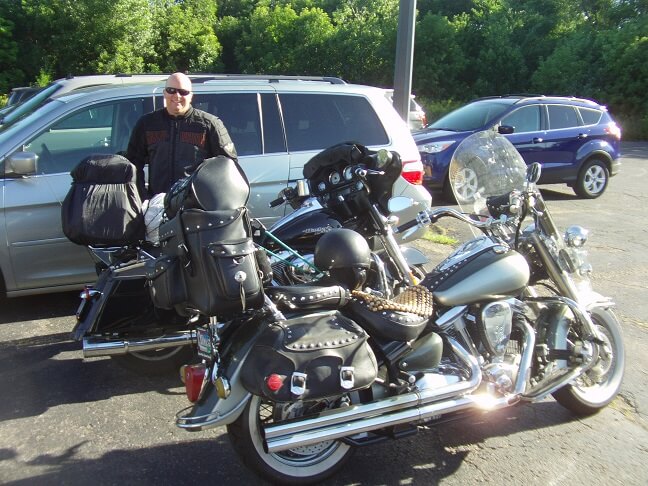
66	420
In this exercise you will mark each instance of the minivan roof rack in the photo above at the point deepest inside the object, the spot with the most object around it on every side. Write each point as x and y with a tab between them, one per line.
273	78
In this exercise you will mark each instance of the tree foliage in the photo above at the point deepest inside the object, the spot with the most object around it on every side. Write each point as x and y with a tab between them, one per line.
463	48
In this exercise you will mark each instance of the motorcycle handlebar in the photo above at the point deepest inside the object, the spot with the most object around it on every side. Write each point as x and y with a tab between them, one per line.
276	202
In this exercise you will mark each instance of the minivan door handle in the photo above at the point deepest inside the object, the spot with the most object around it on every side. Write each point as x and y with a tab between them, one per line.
537	140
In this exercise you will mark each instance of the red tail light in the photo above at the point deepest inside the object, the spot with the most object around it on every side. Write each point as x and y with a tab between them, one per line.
413	171
194	378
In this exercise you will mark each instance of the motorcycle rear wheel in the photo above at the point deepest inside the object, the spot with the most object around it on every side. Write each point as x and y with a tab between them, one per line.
302	465
601	383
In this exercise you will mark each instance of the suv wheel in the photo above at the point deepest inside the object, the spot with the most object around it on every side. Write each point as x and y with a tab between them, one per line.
592	180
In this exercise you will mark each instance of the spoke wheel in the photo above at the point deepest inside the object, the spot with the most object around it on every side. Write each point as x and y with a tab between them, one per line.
300	465
598	386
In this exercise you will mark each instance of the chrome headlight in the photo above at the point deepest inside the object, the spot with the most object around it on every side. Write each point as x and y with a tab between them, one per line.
576	236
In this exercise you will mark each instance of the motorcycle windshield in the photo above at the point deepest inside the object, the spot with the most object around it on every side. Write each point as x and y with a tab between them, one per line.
485	164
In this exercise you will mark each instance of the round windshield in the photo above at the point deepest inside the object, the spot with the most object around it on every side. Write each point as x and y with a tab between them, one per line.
485	164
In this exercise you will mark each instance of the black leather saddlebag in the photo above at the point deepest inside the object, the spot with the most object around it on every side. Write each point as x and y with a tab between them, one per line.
310	357
213	253
167	282
103	206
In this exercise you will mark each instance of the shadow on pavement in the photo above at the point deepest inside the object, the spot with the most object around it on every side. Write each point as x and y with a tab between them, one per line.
425	458
36	307
38	380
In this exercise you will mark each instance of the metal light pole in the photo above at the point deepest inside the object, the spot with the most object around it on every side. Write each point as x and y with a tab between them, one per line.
404	57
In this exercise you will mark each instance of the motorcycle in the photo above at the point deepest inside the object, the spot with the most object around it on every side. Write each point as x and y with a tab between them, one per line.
509	317
117	318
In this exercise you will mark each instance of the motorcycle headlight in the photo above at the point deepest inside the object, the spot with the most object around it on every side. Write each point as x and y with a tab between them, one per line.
576	236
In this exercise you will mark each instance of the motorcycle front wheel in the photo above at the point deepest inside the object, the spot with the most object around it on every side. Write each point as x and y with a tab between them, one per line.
598	386
301	465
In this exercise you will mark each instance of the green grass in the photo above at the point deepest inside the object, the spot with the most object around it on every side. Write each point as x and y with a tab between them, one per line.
438	235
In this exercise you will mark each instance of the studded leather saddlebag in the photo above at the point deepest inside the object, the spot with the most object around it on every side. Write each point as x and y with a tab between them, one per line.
310	357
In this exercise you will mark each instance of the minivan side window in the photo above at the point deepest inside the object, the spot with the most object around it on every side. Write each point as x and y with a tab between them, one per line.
524	119
315	121
103	128
562	116
239	112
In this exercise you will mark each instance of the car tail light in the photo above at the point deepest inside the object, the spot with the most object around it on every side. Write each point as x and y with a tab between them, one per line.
194	378
413	171
614	130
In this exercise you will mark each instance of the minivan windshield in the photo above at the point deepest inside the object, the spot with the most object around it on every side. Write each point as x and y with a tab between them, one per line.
28	106
472	116
9	131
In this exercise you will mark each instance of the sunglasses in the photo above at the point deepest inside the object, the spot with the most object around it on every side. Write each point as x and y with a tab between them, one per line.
181	92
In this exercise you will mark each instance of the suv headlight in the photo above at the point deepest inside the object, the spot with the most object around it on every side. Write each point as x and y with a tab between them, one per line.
435	147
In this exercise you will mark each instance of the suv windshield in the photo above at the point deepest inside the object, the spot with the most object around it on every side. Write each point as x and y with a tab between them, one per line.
472	116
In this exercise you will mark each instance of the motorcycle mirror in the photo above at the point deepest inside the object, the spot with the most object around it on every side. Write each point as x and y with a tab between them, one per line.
399	203
533	172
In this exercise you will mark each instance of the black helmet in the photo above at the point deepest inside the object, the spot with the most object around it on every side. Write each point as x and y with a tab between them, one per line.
345	255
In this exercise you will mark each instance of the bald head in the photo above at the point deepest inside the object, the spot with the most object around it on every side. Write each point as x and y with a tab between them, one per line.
177	94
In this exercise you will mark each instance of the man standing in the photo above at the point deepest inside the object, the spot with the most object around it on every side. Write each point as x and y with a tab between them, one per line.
174	140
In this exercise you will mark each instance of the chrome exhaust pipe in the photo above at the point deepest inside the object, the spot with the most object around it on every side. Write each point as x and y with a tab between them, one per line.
97	346
383	413
411	407
409	415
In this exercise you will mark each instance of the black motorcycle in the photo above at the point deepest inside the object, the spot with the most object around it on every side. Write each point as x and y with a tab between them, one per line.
125	316
317	369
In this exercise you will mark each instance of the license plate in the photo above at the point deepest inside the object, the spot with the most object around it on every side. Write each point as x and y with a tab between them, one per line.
204	343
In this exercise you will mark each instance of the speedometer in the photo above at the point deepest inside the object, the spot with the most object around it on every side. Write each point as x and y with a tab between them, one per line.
348	173
335	178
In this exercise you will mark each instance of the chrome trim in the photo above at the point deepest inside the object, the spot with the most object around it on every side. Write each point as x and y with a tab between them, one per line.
379	414
96	346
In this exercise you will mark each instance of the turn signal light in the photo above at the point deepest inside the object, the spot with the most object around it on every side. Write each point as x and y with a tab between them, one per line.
194	378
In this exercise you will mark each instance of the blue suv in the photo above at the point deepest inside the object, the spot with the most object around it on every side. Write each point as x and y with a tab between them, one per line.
575	140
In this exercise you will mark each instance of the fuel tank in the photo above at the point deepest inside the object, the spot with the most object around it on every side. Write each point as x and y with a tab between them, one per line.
478	270
301	229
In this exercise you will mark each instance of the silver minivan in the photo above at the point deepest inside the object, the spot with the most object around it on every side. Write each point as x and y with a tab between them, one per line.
276	124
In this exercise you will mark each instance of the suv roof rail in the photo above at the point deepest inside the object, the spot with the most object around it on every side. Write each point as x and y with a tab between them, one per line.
511	95
273	78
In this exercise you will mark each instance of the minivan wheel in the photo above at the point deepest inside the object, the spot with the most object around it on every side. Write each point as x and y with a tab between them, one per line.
592	180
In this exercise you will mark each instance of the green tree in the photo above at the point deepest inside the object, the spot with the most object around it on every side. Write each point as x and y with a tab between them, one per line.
185	39
10	75
280	40
364	44
438	59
